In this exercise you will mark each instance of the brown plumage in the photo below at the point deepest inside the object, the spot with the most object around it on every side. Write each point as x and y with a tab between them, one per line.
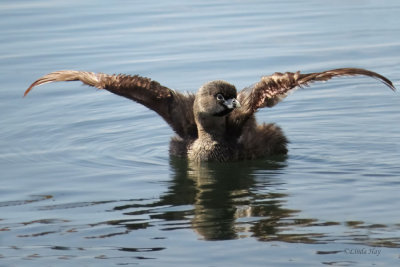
216	124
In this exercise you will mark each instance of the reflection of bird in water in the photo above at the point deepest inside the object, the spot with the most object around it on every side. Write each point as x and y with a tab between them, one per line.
216	124
225	203
217	201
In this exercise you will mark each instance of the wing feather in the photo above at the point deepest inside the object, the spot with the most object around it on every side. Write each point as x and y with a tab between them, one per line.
175	108
272	89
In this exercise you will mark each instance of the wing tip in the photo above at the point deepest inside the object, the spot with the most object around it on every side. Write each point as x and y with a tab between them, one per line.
36	83
48	78
29	89
377	76
386	82
390	85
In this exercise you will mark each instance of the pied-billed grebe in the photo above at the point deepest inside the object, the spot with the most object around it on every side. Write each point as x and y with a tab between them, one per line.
217	123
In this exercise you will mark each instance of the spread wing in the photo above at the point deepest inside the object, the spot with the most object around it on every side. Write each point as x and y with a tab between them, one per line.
175	108
272	89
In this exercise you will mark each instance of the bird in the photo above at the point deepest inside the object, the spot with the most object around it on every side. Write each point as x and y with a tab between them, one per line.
217	123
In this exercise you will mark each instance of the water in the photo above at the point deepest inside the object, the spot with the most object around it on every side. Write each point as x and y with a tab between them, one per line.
85	175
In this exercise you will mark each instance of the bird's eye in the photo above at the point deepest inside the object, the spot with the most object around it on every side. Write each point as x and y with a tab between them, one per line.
220	97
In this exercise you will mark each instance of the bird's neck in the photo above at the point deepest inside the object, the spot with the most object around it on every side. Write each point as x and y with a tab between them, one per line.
210	127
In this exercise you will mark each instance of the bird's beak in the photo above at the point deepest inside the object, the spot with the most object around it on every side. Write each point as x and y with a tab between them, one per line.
232	103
